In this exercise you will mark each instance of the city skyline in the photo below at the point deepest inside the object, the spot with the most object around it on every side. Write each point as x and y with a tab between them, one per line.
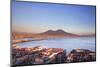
35	17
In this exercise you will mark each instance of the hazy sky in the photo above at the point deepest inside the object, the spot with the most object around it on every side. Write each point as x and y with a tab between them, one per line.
39	17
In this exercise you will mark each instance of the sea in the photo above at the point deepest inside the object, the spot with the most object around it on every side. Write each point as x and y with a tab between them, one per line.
66	43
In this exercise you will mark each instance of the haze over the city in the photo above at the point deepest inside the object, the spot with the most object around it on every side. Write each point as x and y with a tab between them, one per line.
39	17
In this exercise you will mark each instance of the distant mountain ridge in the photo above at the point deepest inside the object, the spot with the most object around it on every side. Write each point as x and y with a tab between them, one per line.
49	34
58	32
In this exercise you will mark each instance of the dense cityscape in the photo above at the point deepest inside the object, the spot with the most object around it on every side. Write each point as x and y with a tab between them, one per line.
43	55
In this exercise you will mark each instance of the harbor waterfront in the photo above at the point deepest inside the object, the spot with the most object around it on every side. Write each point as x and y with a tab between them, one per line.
52	51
